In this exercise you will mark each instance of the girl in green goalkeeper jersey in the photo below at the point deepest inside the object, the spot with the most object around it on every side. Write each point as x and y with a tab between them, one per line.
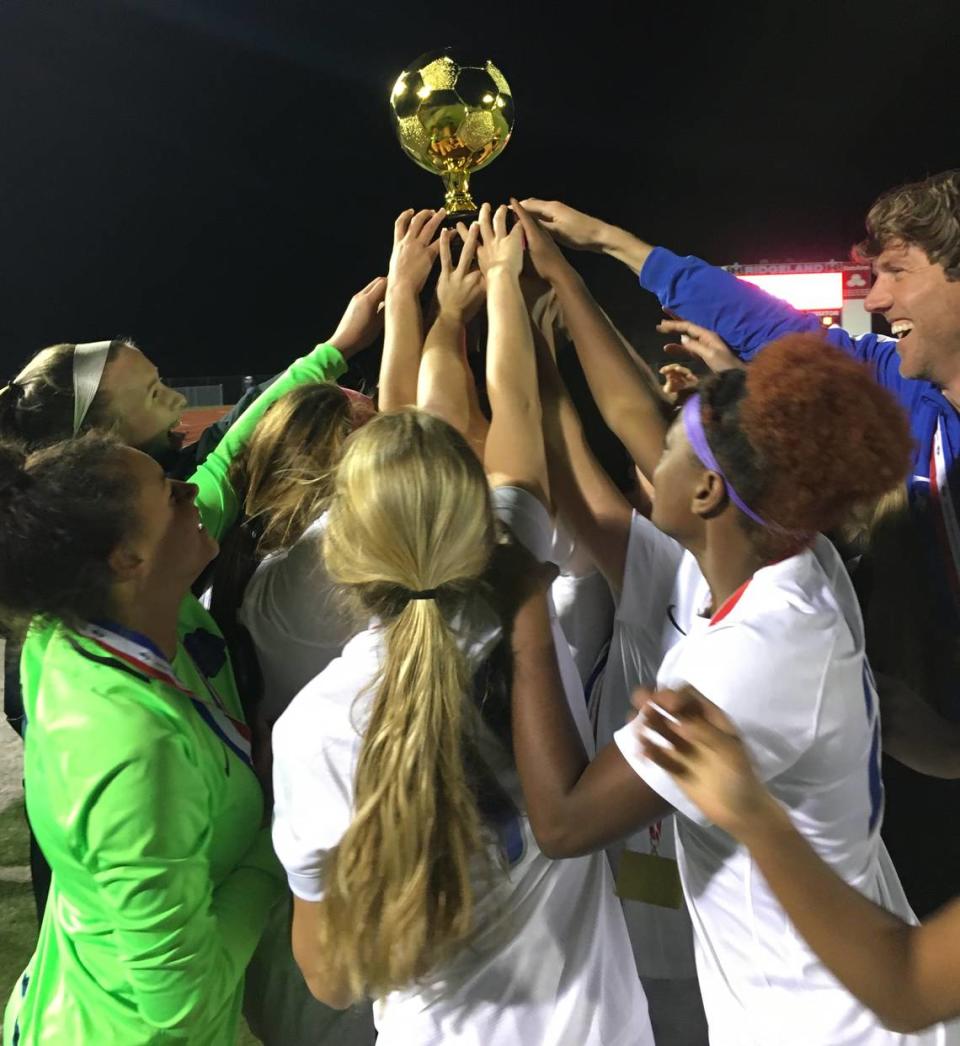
137	763
111	386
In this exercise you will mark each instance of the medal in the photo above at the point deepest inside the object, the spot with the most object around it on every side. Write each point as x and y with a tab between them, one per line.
138	652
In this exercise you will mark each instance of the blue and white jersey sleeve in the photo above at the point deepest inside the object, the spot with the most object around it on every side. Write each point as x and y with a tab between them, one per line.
531	525
736	670
748	318
767	664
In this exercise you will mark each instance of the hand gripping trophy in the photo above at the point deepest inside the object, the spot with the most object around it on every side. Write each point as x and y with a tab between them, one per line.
452	117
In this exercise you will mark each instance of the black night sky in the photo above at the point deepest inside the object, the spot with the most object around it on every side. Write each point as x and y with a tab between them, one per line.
216	178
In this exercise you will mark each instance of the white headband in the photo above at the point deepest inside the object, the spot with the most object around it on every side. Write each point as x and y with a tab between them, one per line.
88	363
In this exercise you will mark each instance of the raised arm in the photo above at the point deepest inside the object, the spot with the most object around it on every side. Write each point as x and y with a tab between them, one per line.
625	389
583	232
361	323
445	386
745	317
583	493
905	974
216	498
412	258
514	453
575	806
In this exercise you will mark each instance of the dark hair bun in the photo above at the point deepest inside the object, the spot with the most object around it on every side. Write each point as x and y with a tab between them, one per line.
10	396
13	473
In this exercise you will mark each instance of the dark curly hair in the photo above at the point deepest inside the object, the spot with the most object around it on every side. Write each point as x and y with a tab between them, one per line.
62	512
805	435
925	214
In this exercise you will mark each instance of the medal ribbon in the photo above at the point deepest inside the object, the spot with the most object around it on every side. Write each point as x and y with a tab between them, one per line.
141	654
656	833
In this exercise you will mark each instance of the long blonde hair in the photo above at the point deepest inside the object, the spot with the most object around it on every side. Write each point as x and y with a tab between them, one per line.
410	512
285	472
284	478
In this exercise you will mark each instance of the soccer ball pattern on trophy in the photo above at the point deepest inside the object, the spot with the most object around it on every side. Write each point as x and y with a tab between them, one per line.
452	118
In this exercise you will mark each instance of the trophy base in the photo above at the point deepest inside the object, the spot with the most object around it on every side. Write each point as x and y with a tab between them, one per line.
459	202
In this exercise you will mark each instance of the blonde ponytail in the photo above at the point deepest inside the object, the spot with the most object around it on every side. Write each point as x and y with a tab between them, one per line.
410	512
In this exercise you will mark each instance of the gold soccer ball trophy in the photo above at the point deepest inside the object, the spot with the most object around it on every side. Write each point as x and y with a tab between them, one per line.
452	117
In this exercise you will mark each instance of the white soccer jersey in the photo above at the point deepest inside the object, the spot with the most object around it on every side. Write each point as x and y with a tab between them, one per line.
583	602
785	659
661	594
550	964
530	524
293	615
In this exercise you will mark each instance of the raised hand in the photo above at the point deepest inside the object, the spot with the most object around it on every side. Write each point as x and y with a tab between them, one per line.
698	745
570	227
677	379
362	319
514	452
414	248
700	343
502	249
460	289
545	256
465	232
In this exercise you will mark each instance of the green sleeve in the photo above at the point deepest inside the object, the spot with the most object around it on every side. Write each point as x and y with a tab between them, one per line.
216	499
183	943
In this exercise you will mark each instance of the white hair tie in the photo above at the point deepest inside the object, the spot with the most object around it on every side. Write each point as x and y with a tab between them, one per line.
88	363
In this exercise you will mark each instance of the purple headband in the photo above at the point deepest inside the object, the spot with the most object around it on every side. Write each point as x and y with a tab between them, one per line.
693	426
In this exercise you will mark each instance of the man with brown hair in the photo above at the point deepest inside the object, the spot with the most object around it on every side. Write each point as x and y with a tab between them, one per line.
909	580
913	240
914	243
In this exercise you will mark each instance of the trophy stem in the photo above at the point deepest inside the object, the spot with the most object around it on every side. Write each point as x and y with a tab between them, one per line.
458	199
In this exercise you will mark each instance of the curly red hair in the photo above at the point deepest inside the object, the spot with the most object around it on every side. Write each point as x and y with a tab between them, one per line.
806	434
